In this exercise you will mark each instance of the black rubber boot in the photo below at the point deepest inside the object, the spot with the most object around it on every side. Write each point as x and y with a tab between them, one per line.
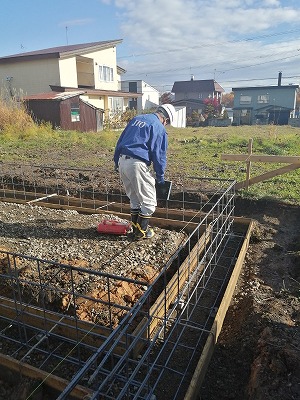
134	212
143	229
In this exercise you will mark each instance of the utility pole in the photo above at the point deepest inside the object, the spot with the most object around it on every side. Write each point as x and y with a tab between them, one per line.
67	35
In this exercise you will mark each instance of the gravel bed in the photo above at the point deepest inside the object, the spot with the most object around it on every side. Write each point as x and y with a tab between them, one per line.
66	235
70	238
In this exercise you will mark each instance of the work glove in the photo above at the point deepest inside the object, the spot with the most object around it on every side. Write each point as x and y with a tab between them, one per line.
116	168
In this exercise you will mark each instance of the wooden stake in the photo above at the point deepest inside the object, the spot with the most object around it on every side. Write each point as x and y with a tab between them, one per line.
250	146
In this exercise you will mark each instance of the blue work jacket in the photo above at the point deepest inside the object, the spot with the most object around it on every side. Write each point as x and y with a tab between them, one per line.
145	138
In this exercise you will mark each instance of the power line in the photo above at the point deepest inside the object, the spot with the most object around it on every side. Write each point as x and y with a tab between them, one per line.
211	44
193	68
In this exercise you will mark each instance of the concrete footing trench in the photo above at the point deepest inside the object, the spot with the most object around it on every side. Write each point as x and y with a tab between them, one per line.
85	315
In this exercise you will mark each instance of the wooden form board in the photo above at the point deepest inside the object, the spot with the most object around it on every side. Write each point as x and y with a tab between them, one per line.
199	374
62	325
88	205
175	219
53	381
158	310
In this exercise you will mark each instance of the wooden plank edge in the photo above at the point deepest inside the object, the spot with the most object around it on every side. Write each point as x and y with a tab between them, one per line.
157	310
89	333
159	222
55	382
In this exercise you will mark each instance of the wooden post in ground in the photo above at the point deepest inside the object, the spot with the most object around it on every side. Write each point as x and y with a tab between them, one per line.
248	171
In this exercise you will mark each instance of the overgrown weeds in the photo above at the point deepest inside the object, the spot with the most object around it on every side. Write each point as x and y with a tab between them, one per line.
14	120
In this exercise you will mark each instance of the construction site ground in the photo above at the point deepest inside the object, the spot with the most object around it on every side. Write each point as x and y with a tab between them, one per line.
257	355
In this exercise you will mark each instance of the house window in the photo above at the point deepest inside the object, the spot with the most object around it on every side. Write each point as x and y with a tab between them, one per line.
245	99
263	98
75	113
116	104
106	74
133	87
200	95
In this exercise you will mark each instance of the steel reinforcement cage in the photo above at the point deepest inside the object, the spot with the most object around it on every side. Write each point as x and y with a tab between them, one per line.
153	350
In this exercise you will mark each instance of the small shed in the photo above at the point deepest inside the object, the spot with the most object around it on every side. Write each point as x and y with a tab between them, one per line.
65	110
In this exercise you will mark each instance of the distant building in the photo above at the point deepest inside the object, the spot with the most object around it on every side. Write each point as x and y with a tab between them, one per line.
191	94
264	104
89	67
149	96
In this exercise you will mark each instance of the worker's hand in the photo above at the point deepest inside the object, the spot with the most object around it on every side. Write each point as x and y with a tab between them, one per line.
117	168
160	181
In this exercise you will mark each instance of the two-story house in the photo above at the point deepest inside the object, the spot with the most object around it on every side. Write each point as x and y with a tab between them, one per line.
264	104
89	67
192	94
149	98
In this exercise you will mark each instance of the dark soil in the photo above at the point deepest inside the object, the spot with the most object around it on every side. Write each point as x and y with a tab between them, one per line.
258	354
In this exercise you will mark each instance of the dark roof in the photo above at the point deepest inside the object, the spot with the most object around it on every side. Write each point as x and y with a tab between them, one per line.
266	87
208	85
274	108
191	101
61	51
242	108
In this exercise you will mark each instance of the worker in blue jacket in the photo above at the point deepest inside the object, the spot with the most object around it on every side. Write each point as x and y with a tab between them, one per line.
143	142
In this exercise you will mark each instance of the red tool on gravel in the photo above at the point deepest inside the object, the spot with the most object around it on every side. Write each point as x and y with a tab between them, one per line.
113	227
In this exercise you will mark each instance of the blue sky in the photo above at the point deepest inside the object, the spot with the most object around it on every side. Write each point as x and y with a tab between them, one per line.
236	42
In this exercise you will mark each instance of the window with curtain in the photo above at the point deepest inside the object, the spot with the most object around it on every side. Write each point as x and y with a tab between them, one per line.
106	74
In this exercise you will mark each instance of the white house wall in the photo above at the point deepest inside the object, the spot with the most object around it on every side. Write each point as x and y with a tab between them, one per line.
96	101
26	82
107	58
68	72
149	98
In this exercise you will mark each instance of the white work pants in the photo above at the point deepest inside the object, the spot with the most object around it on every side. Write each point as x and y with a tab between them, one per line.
139	184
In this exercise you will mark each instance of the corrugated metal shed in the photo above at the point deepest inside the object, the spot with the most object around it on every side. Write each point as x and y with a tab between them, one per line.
65	110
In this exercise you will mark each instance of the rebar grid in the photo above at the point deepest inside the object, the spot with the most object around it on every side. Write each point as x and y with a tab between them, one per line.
154	348
99	189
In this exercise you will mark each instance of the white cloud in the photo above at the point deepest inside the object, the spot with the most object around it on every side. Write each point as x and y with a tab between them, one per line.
171	40
271	3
